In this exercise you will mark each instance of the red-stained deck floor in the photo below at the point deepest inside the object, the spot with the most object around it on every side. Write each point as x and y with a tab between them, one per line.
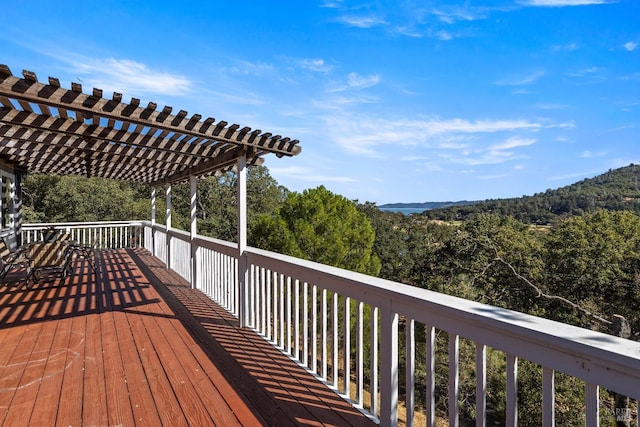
134	345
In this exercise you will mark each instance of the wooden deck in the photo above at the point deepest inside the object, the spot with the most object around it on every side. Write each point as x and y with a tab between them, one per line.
136	346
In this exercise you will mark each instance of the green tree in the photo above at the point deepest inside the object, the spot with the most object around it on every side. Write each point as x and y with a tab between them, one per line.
595	261
77	198
390	243
320	226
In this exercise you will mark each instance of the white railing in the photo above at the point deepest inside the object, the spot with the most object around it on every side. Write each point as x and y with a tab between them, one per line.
217	271
344	327
314	312
101	235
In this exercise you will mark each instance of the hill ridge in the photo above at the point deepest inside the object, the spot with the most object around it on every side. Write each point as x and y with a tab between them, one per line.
616	189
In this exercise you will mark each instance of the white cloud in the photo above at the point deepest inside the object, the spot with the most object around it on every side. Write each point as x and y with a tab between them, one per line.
522	80
444	35
564	47
363	135
362	21
542	106
251	68
356	81
560	3
331	4
585	71
455	14
630	46
130	76
513	142
317	65
590	154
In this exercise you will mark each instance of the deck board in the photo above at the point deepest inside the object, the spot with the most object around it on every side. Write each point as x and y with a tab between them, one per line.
134	345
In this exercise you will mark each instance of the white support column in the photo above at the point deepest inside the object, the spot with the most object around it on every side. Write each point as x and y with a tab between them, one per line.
12	204
242	241
168	223
193	230
153	221
16	198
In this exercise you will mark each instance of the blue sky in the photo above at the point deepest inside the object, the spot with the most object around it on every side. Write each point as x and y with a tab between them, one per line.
393	101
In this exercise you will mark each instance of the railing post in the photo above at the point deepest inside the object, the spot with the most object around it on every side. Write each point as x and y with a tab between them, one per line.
168	222
193	231
389	368
243	276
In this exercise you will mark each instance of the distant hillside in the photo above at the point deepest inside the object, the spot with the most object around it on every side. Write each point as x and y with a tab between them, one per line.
618	189
426	205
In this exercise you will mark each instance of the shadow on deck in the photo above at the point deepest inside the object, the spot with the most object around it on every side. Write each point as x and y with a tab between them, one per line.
134	345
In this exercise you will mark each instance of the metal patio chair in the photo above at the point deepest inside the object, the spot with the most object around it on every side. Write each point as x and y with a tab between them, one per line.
11	259
48	257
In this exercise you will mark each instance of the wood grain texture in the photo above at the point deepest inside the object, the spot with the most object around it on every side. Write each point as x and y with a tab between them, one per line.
135	345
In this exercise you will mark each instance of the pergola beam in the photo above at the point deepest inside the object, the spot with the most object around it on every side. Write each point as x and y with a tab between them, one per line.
46	128
30	90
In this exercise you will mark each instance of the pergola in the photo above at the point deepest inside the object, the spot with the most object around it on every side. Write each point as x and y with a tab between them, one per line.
45	128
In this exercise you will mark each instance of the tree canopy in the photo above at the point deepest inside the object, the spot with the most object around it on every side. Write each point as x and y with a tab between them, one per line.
320	226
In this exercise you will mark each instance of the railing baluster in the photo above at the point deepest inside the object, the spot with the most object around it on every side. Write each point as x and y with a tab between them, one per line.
323	348
289	315
512	390
296	316
214	273
360	355
389	365
268	301
548	398
276	308
305	324
233	285
314	329
347	346
592	396
223	285
374	361
481	384
454	369
334	330
430	404
282	301
263	301
410	371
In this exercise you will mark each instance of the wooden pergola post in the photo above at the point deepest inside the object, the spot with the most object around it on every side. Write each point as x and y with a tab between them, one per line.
243	276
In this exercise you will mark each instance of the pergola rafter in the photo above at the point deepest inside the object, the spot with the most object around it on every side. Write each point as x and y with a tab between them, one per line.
45	128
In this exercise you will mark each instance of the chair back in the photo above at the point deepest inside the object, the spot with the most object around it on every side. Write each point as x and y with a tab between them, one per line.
4	250
10	242
49	254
